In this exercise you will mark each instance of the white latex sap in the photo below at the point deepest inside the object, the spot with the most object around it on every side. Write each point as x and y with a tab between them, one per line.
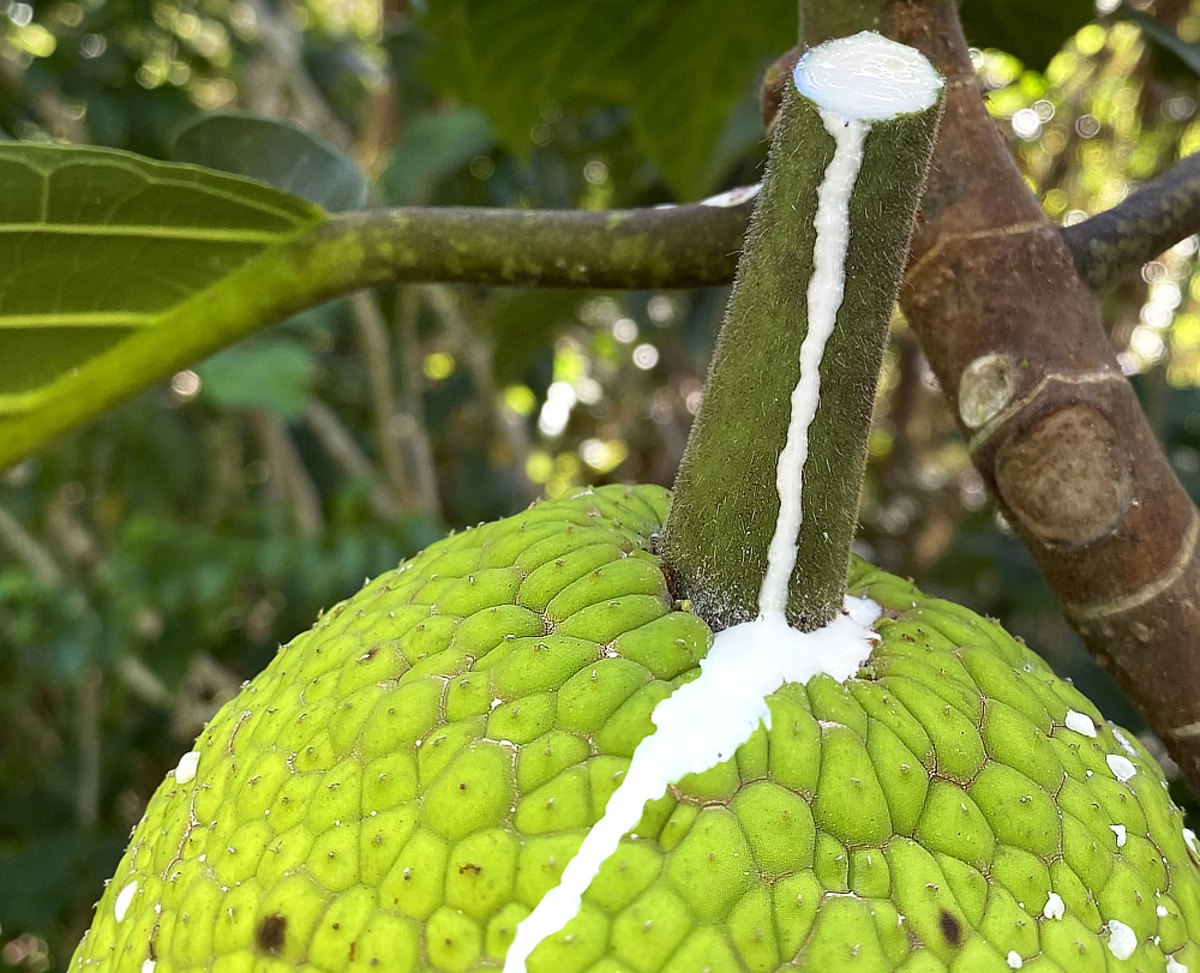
701	724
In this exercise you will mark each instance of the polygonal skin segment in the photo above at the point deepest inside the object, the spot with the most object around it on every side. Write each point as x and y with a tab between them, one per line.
404	782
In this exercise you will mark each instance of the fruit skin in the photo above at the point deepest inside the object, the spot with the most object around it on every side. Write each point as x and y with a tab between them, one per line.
404	782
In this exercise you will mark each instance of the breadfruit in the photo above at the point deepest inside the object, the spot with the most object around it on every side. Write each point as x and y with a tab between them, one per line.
404	783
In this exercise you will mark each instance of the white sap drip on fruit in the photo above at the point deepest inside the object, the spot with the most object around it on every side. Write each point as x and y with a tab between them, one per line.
703	722
697	727
1122	940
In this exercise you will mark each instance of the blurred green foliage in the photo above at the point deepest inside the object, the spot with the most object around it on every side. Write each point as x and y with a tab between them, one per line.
153	561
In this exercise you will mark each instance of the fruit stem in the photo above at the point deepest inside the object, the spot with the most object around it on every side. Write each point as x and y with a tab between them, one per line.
737	501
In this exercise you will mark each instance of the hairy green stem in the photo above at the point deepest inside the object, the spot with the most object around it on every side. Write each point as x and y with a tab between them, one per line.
726	500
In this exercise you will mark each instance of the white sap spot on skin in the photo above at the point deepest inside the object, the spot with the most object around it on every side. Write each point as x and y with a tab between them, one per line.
697	727
1121	767
868	78
124	898
1124	741
1014	960
148	966
185	770
1174	966
1189	838
733	197
1119	831
1160	911
1080	723
1122	940
1054	908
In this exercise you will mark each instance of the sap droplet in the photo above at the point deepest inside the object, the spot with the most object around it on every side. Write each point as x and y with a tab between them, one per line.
124	899
1080	723
1122	767
1122	940
185	770
1055	908
1124	742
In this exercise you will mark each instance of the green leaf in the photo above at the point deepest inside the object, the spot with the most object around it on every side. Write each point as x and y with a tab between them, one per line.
434	145
97	249
1166	38
274	374
680	65
281	153
1030	30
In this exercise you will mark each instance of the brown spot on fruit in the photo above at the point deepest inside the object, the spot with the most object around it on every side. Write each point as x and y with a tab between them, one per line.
1063	477
951	928
469	867
269	935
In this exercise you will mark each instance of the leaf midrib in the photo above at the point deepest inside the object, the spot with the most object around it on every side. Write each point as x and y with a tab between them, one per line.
146	231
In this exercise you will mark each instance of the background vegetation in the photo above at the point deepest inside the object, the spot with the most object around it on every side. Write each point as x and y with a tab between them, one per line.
152	562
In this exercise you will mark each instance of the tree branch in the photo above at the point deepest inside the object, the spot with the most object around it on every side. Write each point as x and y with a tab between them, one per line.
1015	339
695	245
1153	219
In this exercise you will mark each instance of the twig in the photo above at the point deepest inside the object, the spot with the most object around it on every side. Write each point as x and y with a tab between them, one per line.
377	357
27	549
1156	217
287	469
412	404
91	696
477	352
342	448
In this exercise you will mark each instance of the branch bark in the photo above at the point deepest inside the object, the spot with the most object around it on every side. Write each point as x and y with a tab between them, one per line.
1111	244
1015	339
695	245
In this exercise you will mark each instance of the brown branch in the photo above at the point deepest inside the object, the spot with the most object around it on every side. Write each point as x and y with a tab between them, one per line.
1015	339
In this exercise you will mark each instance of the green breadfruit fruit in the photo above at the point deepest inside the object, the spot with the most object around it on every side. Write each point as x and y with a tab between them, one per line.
404	783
